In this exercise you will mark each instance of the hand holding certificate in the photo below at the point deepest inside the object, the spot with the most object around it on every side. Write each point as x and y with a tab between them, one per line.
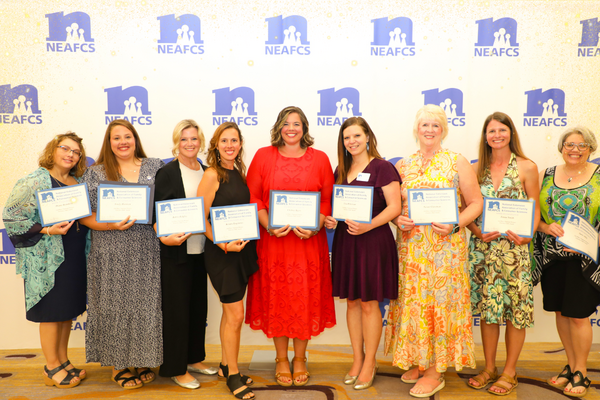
352	202
66	203
296	209
230	223
180	215
433	205
579	235
501	215
117	200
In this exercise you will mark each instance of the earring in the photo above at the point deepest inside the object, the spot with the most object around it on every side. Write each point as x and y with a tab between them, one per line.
218	157
346	150
367	146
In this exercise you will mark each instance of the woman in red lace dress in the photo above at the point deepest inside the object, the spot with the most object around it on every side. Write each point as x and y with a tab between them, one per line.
290	296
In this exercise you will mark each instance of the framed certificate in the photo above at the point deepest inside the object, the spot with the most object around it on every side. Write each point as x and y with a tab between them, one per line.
117	200
294	209
579	235
501	215
352	202
180	215
64	203
234	223
433	205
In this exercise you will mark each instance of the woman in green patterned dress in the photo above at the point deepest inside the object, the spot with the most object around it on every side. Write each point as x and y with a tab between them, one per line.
570	280
501	279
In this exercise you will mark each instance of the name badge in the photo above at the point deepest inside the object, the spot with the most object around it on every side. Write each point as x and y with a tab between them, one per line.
363	177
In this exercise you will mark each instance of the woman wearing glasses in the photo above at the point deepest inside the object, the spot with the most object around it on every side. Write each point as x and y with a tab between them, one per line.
570	281
51	259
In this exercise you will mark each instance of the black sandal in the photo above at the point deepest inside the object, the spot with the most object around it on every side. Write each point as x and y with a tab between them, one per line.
225	369
120	380
236	386
565	373
64	384
145	372
585	382
73	371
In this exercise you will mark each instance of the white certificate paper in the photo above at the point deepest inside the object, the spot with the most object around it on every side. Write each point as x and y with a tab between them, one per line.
180	216
294	209
579	235
433	205
352	202
116	202
236	222
65	203
501	215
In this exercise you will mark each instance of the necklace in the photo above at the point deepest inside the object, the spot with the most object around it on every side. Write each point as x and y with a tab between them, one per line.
60	184
574	176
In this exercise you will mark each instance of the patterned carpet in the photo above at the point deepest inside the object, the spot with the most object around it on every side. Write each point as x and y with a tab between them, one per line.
21	378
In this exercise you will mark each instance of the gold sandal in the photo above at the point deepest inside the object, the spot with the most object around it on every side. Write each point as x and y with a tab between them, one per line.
301	373
283	374
502	384
482	380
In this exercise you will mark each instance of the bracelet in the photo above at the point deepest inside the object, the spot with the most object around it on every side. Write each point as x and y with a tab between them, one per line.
48	231
107	227
225	248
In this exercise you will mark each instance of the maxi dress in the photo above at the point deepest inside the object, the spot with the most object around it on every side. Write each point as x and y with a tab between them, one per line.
365	266
290	295
501	284
429	325
124	326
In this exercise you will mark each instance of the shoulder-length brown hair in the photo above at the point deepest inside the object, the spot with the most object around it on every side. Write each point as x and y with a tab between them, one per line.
213	150
107	157
46	159
277	139
345	158
485	151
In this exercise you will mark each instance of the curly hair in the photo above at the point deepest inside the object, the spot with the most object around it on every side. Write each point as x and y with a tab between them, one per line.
46	159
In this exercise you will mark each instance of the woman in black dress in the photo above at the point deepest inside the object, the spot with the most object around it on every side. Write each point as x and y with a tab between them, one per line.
183	276
51	259
229	265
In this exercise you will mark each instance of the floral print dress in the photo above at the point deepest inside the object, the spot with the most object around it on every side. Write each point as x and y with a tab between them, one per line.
501	284
429	325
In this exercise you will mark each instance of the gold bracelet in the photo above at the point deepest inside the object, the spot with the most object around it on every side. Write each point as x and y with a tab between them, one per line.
48	231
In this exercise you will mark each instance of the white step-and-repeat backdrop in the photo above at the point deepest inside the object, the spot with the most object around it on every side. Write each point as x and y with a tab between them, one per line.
76	65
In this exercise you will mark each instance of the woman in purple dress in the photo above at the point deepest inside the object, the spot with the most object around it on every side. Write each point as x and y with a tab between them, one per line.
365	258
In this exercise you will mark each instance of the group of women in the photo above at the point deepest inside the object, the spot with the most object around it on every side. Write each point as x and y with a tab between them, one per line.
147	298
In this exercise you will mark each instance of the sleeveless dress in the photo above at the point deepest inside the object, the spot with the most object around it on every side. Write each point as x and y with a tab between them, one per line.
229	273
366	266
291	293
429	325
579	279
501	286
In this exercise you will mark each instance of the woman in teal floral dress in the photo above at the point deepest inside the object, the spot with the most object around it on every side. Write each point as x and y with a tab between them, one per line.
501	279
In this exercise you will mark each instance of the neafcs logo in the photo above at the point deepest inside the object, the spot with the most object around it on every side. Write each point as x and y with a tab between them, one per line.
7	250
338	105
392	37
130	104
590	38
19	105
545	108
69	33
235	105
497	38
180	35
451	101
287	35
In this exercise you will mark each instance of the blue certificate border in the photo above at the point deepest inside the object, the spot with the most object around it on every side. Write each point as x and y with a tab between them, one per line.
295	193
157	203
212	216
87	199
593	257
409	191
486	200
369	188
121	185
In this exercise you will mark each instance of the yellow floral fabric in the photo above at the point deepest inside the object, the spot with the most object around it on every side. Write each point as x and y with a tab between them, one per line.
430	322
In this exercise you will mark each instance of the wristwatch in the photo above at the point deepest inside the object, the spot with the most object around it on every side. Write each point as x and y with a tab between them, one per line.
455	229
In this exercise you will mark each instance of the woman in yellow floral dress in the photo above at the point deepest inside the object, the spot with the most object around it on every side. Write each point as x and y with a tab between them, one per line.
429	325
501	279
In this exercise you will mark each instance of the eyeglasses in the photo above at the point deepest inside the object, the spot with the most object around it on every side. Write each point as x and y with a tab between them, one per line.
581	146
67	149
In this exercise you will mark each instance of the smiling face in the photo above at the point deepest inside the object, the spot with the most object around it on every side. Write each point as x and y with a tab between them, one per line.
497	134
430	133
64	158
355	140
189	144
575	155
229	146
122	142
291	132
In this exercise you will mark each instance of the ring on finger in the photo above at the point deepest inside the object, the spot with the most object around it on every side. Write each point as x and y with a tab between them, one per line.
401	226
